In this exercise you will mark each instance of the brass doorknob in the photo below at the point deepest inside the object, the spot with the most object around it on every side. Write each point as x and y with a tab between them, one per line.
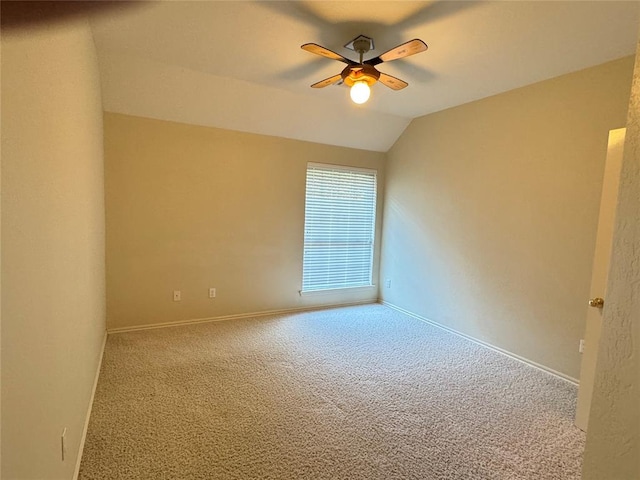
596	302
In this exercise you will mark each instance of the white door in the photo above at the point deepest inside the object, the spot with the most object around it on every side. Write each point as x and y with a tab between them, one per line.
600	270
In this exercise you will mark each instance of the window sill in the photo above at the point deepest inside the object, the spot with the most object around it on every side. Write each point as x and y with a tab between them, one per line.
333	291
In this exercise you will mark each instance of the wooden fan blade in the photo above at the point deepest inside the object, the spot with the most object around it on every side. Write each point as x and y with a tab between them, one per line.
406	49
392	82
327	81
325	52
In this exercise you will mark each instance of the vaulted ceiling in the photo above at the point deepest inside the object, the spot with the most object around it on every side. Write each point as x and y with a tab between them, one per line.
238	64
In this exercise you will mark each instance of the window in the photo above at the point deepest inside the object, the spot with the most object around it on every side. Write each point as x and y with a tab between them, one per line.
339	227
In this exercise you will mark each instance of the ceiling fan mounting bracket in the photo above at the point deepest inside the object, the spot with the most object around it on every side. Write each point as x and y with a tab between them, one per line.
361	44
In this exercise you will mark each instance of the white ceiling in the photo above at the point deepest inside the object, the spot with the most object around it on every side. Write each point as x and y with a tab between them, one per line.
238	64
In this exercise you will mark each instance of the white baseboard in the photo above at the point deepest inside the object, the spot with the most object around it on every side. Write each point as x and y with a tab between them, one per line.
531	363
235	317
86	422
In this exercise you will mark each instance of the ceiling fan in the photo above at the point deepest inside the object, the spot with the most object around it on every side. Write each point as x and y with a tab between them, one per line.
361	75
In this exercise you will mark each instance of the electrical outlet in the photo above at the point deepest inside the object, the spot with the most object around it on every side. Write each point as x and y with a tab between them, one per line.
212	293
581	347
177	296
387	283
63	445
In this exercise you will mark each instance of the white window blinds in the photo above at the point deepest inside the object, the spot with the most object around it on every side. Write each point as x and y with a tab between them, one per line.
339	227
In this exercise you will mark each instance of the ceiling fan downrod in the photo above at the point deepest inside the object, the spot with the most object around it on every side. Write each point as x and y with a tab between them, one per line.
361	45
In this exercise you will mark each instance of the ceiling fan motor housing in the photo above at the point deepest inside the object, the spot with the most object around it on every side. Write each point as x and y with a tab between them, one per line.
360	73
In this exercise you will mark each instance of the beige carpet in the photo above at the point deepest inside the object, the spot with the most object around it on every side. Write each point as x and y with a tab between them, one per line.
351	393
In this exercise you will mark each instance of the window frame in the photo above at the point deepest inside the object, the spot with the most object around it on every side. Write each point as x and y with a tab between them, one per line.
373	229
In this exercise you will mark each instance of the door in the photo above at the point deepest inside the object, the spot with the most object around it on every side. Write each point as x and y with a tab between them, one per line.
599	273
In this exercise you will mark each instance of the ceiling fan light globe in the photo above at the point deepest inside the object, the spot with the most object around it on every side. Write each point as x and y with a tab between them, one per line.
360	92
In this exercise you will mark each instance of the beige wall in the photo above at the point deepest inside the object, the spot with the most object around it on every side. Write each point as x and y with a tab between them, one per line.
0	275
613	439
491	212
53	307
189	208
